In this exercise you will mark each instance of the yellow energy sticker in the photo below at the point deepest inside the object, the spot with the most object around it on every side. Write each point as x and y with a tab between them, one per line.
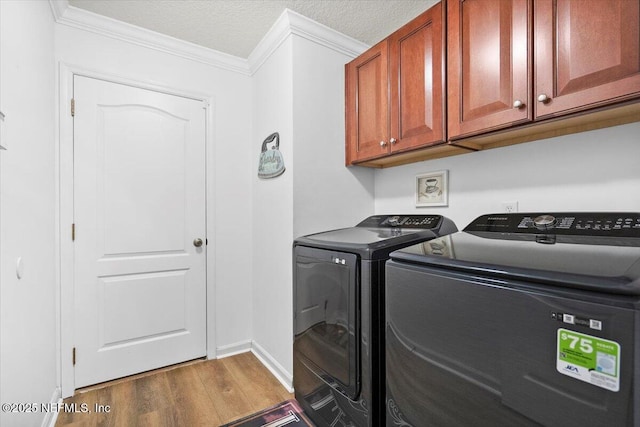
590	359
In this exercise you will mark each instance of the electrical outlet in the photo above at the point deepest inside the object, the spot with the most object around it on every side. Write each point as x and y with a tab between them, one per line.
510	207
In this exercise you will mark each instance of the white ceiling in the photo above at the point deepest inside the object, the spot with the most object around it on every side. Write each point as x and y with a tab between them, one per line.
236	26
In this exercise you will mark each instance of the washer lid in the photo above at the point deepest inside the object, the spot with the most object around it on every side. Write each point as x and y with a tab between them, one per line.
361	236
378	235
596	265
370	243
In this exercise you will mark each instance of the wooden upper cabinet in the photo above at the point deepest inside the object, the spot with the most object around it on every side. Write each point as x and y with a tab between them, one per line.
367	104
489	65
394	91
513	69
586	54
416	77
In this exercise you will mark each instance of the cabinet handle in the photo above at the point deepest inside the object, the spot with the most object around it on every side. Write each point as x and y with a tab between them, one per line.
518	104
383	144
543	98
393	140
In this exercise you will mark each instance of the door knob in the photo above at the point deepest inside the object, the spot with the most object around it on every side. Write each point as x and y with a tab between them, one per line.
518	104
383	143
197	242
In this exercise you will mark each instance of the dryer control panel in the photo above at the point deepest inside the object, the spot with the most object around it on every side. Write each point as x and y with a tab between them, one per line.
402	221
614	224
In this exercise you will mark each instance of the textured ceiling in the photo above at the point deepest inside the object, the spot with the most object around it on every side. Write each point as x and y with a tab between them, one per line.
236	26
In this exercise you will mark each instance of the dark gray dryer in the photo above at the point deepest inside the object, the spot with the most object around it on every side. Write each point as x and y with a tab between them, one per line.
338	352
520	319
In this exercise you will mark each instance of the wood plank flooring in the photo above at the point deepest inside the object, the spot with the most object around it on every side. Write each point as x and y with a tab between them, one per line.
200	393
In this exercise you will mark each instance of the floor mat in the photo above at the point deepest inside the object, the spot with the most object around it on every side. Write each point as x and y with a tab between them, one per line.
287	413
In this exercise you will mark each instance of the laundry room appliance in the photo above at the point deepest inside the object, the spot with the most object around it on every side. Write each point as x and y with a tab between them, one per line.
518	320
338	303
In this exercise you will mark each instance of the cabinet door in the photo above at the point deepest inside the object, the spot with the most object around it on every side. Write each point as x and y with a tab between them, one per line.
593	58
416	77
489	65
367	105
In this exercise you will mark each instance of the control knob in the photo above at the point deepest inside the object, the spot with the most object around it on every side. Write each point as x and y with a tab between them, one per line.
544	222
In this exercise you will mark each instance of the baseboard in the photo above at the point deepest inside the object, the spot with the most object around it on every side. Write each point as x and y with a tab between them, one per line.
278	371
285	378
233	349
51	417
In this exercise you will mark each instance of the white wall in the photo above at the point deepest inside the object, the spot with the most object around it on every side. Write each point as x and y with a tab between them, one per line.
299	92
229	151
589	171
273	212
327	195
27	210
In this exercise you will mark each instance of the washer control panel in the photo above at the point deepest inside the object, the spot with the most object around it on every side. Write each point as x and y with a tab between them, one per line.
583	223
402	221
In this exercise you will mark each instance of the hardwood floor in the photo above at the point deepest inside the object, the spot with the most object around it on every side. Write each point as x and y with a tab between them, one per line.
200	393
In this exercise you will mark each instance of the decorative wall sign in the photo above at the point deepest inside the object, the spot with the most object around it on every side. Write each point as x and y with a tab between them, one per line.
271	161
432	189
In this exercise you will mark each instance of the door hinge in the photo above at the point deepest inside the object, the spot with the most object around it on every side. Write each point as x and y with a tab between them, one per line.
73	232
73	356
73	107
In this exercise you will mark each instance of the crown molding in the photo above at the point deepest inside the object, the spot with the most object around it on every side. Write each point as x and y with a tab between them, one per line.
326	36
58	7
88	21
288	23
291	22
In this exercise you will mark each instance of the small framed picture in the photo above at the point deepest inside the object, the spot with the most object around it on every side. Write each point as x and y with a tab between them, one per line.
432	189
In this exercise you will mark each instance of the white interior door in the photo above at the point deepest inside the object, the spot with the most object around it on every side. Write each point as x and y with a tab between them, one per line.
139	208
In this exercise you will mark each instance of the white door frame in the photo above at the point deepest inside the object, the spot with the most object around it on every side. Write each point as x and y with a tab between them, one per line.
64	213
